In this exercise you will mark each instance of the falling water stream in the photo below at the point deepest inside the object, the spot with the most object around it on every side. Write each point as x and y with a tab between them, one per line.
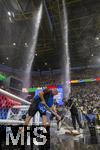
31	50
66	76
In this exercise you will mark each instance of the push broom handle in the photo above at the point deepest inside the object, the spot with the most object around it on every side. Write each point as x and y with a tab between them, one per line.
54	113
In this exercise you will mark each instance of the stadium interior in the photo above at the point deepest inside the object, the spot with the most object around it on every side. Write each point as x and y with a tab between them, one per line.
52	44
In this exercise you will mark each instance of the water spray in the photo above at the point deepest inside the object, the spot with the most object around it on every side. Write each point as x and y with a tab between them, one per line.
31	53
66	52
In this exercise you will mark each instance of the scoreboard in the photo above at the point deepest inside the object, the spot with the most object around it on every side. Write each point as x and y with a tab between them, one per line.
14	85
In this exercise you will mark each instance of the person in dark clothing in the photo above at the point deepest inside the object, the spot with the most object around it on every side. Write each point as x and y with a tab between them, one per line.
38	104
91	120
74	113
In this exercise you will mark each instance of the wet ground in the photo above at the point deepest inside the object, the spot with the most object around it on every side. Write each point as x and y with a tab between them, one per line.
60	141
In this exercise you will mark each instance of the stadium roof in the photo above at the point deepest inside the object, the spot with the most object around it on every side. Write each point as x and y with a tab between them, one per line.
16	25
